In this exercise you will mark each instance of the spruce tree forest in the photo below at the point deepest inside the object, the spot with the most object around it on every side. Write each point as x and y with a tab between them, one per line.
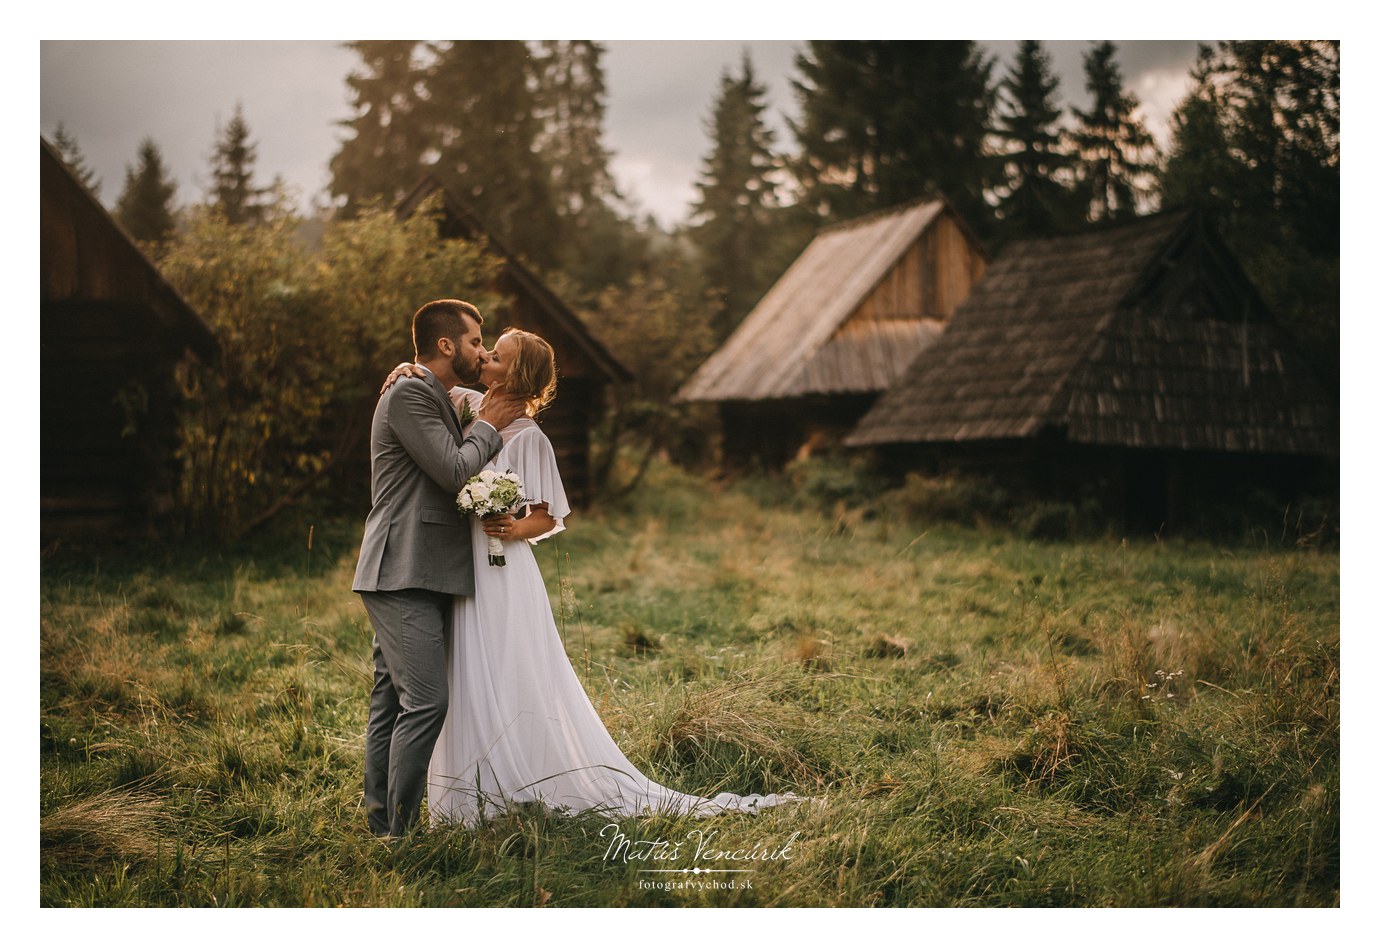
517	129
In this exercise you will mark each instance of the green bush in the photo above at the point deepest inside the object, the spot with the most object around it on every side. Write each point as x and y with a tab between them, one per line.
828	480
305	338
1055	520
968	501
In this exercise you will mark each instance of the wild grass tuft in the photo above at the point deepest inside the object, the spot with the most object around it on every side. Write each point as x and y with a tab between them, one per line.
120	825
742	718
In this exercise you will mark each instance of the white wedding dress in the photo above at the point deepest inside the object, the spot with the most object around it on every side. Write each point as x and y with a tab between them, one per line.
520	727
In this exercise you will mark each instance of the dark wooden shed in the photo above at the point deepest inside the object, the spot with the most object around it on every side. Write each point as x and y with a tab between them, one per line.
112	333
584	366
838	328
1137	359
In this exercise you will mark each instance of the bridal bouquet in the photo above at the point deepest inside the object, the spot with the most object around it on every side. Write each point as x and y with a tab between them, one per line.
487	494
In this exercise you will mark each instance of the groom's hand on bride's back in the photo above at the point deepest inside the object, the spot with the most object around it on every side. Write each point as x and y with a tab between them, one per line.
500	409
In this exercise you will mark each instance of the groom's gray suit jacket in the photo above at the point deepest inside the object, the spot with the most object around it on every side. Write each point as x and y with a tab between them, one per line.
415	538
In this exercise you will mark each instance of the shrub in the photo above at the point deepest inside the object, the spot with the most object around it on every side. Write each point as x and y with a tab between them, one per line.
1055	520
968	501
305	338
826	481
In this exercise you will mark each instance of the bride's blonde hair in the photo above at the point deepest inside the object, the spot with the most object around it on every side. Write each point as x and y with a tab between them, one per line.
532	373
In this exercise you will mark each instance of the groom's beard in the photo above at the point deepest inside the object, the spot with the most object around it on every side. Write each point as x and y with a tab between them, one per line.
467	374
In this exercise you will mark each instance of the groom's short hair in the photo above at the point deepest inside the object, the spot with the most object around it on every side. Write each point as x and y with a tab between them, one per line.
440	319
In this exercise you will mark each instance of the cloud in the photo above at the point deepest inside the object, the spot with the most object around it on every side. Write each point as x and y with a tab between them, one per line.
661	100
1159	92
110	95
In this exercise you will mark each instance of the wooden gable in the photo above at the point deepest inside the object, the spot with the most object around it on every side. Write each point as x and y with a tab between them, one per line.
862	300
929	280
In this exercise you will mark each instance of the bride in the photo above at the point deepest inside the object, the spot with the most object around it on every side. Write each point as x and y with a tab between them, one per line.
520	727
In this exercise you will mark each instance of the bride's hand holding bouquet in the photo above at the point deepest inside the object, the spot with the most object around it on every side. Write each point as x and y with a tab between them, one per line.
492	494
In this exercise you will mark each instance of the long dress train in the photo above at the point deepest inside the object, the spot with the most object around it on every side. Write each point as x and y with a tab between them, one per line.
520	726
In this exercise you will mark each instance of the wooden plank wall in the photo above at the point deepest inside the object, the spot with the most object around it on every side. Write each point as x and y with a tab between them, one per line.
901	293
108	425
958	265
933	277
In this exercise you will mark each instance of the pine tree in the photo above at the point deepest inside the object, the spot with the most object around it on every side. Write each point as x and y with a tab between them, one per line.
232	174
1200	169
384	157
732	218
145	204
481	114
515	128
1257	142
884	122
1035	199
1116	155
70	153
598	247
1257	146
1283	100
571	100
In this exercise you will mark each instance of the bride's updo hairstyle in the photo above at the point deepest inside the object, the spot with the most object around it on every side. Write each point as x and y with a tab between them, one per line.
532	372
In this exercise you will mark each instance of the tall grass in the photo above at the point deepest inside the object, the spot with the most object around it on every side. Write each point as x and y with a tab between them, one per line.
980	719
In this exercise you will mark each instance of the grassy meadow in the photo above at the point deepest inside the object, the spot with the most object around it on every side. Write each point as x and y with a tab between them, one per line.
982	719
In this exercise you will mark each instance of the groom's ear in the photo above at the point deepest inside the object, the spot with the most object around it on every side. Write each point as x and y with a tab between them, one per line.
445	347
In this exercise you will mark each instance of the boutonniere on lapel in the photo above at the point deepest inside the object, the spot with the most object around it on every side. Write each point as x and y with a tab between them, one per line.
466	414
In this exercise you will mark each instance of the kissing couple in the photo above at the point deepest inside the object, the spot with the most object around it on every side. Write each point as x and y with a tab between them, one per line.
474	700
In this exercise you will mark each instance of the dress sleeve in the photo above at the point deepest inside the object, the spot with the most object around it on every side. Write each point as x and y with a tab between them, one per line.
534	460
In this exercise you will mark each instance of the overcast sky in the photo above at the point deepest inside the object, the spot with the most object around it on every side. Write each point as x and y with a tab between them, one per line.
111	94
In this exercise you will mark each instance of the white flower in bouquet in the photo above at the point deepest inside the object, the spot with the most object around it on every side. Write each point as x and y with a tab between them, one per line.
490	493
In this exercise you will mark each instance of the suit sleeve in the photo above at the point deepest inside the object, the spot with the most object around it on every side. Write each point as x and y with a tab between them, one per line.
416	420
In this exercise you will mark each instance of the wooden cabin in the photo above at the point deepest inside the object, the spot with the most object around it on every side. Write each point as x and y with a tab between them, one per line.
1134	362
584	366
112	332
837	329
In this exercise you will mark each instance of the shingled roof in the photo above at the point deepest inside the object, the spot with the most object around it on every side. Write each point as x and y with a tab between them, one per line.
1146	334
801	337
96	282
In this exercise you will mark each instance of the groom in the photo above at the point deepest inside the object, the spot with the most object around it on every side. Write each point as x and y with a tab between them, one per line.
416	556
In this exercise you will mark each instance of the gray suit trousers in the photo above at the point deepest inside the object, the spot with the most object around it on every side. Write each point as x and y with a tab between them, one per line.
408	704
